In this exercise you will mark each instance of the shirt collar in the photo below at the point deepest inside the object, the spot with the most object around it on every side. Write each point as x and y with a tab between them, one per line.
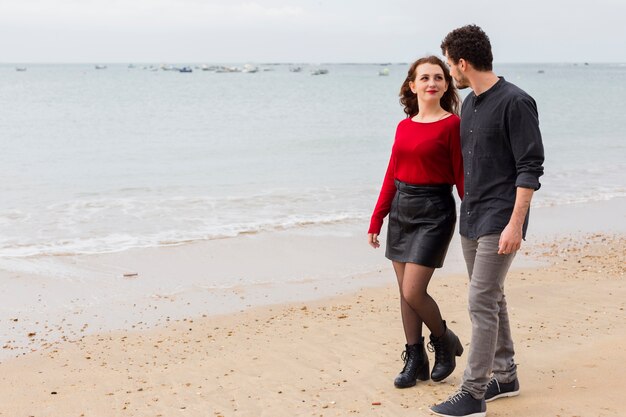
493	88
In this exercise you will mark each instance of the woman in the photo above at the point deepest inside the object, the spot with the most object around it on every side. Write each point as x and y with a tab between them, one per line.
417	194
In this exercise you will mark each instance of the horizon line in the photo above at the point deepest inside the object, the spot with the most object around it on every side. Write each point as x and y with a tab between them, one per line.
281	62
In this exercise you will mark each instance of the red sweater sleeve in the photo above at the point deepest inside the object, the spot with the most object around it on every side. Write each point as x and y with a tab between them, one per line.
387	192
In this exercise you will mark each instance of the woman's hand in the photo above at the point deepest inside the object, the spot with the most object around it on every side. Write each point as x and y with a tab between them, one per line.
372	239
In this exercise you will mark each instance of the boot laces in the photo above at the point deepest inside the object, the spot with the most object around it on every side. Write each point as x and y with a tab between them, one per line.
436	347
405	358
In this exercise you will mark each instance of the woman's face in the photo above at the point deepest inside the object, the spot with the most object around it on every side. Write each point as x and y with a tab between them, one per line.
430	83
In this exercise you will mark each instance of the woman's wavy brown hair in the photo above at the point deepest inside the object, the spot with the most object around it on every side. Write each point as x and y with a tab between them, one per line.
450	100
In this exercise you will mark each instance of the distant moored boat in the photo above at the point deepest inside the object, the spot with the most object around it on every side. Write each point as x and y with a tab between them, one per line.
222	69
101	67
250	68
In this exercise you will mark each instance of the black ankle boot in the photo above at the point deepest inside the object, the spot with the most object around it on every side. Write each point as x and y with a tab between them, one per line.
446	347
415	366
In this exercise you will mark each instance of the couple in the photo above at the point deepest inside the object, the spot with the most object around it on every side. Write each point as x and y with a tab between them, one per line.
494	156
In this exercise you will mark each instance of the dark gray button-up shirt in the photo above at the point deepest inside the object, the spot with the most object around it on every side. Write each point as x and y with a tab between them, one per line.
502	150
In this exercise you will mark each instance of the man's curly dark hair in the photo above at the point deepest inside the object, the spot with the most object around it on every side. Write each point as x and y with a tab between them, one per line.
470	43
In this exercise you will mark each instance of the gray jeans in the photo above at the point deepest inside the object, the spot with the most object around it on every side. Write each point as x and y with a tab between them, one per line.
491	348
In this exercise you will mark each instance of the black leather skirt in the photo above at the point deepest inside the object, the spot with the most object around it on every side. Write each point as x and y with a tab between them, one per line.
421	224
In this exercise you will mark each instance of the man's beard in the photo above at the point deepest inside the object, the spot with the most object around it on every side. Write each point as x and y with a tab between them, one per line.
462	83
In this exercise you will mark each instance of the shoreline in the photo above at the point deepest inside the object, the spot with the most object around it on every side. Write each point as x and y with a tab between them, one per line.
72	296
337	356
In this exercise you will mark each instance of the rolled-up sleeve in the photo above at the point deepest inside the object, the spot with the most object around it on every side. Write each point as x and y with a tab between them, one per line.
526	143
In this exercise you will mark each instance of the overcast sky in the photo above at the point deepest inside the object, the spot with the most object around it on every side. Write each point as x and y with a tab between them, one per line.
304	30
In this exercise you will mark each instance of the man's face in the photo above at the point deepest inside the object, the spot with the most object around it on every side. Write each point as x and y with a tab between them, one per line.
456	73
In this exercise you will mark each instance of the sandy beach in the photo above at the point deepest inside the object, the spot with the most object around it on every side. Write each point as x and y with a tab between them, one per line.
328	355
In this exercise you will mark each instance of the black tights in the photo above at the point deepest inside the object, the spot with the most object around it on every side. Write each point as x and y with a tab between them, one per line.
416	305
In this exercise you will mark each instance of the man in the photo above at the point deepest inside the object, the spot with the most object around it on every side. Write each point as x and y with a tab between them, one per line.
503	160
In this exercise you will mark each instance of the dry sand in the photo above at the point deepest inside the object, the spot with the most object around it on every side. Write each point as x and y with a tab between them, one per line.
338	357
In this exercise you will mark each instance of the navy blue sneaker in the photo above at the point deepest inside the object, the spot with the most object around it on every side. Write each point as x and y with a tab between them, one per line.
461	404
497	389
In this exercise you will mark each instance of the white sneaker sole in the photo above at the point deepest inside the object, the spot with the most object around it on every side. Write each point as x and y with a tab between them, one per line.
503	395
480	414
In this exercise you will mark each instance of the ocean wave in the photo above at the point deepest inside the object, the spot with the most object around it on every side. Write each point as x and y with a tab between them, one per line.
93	238
567	199
94	225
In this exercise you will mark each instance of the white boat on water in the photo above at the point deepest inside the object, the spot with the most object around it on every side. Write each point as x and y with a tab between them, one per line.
223	69
384	72
319	71
250	68
295	69
20	69
100	66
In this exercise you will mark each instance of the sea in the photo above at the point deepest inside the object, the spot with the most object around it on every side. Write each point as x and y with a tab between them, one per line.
104	160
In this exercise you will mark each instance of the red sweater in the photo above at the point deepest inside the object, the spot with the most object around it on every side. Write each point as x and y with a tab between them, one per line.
424	154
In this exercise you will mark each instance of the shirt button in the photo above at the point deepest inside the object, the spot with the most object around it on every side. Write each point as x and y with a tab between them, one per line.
470	152
471	131
468	213
467	173
475	110
466	192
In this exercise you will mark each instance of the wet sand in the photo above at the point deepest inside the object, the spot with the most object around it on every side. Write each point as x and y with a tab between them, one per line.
338	356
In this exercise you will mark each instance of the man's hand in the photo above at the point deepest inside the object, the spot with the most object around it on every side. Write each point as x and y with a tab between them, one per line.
510	239
511	236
